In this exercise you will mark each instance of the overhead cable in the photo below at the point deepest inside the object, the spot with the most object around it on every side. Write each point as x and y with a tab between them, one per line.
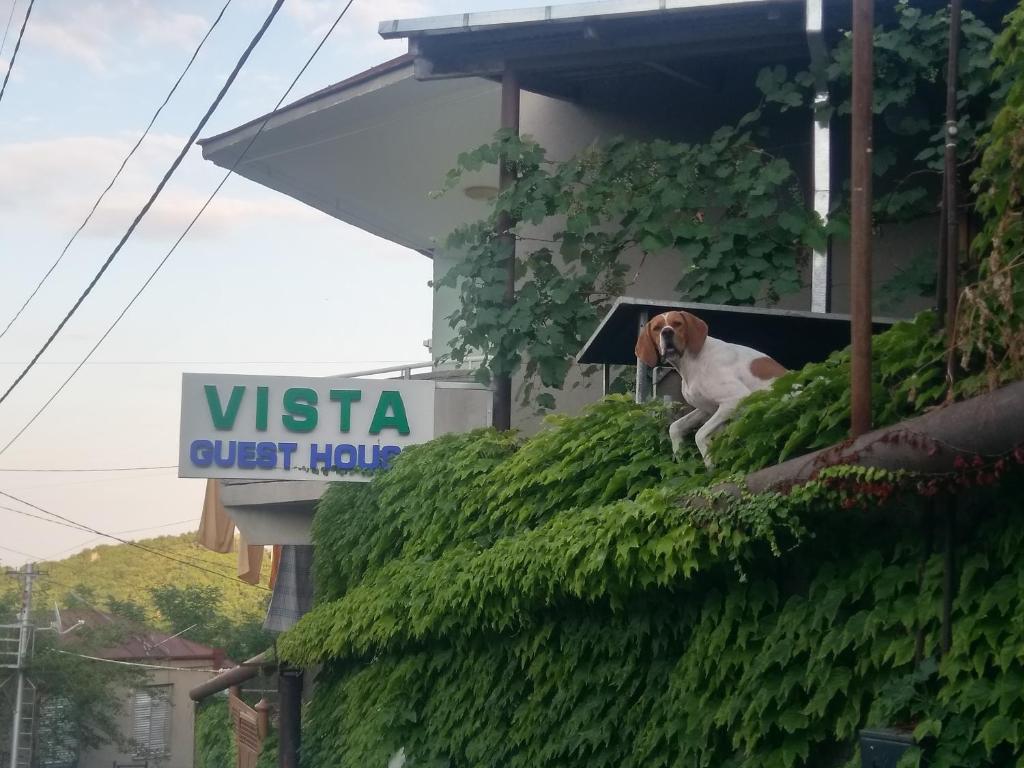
17	46
181	237
117	174
153	197
68	522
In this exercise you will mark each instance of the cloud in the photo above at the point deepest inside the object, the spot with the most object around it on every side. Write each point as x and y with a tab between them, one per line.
57	181
95	33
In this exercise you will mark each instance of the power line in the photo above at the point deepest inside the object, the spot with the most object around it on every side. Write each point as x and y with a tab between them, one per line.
156	193
191	561
81	546
177	242
10	17
24	554
90	469
68	522
17	45
135	663
124	162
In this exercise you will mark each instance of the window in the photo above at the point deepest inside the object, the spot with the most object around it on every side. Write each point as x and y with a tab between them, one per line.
151	720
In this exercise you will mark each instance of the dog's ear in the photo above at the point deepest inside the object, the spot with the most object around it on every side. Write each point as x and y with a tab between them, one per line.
646	347
696	333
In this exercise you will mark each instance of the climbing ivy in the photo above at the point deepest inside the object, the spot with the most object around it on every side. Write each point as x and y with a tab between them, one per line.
910	55
734	212
990	326
578	597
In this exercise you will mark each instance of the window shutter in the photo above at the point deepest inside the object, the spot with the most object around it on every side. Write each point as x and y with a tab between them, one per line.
151	720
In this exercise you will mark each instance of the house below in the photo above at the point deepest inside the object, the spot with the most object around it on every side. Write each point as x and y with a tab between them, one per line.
158	717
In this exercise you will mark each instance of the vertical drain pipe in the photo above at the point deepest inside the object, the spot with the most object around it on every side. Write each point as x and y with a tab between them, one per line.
821	152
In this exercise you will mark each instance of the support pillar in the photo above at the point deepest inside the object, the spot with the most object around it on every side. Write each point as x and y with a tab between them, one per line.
289	691
510	92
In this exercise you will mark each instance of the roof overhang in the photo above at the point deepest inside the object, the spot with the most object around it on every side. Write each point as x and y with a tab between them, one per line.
371	149
555	38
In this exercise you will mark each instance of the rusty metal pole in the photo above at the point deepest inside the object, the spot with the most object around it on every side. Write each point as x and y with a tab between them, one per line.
860	217
502	411
952	268
289	714
949	169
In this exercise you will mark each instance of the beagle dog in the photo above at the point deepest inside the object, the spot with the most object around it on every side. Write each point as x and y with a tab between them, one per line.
716	375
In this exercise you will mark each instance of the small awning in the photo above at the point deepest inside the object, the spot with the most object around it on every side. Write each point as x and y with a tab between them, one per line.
792	337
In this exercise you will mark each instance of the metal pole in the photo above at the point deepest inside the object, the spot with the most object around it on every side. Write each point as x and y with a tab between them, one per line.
947	509
949	188
860	217
289	688
642	370
28	573
952	296
502	414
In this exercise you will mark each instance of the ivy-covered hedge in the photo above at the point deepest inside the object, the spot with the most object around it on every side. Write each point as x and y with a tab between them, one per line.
551	602
215	741
215	738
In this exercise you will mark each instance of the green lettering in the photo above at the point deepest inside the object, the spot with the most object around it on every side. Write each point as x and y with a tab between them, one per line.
346	397
262	404
223	418
390	400
300	402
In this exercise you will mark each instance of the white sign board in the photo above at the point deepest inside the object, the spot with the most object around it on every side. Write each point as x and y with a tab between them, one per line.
298	428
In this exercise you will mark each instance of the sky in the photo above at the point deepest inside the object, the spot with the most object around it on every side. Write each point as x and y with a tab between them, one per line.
88	77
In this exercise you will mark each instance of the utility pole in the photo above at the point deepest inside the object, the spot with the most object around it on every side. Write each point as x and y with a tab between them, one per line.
27	574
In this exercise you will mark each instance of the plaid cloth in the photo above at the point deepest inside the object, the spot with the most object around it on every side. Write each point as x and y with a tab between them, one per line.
293	591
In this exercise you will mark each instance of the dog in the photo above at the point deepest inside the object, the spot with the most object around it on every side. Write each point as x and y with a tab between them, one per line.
716	375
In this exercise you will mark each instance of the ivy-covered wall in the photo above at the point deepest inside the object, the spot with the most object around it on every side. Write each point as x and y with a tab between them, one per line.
553	603
580	599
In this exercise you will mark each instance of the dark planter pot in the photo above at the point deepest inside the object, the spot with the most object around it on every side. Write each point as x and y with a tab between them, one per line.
883	747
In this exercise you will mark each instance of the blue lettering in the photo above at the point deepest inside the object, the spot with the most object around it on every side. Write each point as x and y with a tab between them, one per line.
373	463
287	449
224	461
320	457
201	453
387	453
246	455
266	455
345	463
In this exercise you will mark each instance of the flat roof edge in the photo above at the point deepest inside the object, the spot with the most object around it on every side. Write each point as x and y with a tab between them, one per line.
545	14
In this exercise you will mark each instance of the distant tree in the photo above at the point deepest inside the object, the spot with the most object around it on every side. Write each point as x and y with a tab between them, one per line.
197	611
128	610
78	700
81	596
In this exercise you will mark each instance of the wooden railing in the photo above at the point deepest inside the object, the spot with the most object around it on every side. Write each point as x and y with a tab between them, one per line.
251	725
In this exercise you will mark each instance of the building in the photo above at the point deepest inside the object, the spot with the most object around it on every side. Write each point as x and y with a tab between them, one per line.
369	149
157	718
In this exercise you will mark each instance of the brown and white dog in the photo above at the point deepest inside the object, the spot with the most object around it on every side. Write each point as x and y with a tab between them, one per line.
716	375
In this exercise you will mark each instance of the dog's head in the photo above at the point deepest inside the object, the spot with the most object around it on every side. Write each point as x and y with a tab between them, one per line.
668	335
